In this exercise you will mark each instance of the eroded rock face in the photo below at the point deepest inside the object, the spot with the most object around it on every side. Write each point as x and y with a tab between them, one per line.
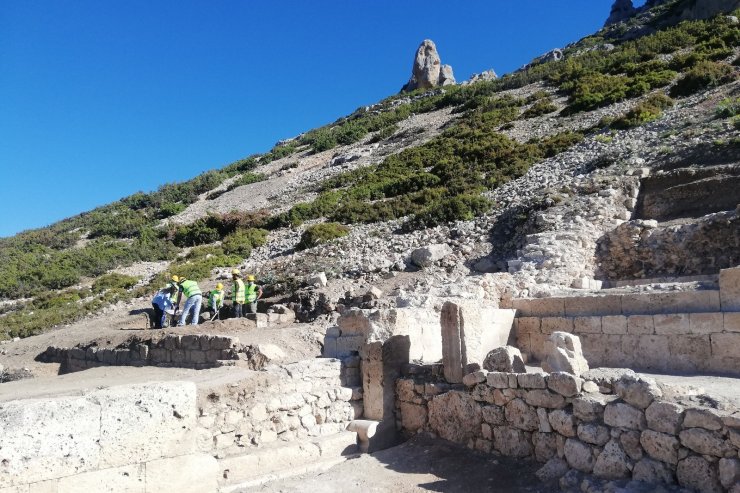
428	71
455	416
621	10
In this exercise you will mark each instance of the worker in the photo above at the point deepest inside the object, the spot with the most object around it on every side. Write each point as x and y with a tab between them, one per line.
237	293
193	300
253	294
161	303
173	289
215	302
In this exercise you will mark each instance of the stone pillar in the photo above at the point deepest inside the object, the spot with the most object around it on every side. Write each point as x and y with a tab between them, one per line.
454	360
381	366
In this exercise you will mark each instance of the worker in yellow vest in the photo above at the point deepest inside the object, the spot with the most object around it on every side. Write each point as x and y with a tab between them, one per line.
253	293
193	300
238	293
215	302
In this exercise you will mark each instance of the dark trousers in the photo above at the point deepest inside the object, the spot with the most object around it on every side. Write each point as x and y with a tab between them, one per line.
157	322
238	309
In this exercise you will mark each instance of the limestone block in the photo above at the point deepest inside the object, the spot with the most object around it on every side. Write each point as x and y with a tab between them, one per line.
125	479
512	442
653	352
553	469
453	352
672	324
455	416
544	398
593	305
640	324
708	419
556	324
689	353
706	323
48	438
504	359
630	441
614	324
544	420
726	345
637	391
564	384
413	416
729	472
587	325
521	416
564	353
731	321
704	442
660	446
532	380
422	325
528	325
539	307
472	379
652	472
623	415
593	434
146	421
348	345
696	473
673	302
563	422
665	417
579	455
498	380
193	473
493	415
729	289
589	407
612	462
381	367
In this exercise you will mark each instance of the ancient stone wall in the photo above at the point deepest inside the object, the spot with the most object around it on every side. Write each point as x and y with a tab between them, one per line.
623	430
298	401
173	350
138	438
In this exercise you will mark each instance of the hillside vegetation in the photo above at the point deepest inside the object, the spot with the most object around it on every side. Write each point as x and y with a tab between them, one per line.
433	183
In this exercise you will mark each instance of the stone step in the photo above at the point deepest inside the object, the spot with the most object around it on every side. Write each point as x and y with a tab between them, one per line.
280	460
709	278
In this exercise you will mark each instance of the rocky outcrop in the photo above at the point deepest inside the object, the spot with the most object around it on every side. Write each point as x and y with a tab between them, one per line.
486	75
621	11
428	71
563	353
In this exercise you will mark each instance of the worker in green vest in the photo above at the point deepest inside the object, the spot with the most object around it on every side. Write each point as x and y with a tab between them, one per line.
193	299
253	292
238	293
215	302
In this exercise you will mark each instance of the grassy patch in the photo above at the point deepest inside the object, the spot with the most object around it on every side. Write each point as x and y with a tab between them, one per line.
321	233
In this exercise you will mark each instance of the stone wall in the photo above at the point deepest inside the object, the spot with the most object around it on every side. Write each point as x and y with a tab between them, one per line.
137	438
669	331
294	402
172	350
624	430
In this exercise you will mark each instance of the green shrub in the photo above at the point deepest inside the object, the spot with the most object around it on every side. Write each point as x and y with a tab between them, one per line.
728	108
197	233
540	107
704	75
646	111
321	233
170	209
241	242
463	207
596	90
113	281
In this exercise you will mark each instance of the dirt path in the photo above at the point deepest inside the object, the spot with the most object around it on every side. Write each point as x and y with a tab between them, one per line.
419	465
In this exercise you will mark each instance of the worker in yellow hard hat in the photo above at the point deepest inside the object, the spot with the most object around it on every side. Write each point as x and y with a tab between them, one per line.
252	293
215	302
237	293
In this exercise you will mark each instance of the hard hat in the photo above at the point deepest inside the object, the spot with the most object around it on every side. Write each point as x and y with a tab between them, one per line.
250	278
175	278
236	272
219	286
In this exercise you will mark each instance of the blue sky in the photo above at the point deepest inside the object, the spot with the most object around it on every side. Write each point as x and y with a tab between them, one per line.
100	99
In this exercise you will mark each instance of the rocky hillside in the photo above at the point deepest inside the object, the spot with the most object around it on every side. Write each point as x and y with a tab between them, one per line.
613	158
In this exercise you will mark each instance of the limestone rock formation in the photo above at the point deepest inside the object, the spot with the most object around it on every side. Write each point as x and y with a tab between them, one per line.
489	74
621	10
428	71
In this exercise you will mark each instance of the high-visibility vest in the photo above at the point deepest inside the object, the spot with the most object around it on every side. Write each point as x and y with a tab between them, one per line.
190	288
238	291
251	290
216	299
172	290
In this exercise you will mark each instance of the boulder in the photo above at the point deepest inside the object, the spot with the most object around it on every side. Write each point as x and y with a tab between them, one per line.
652	471
564	384
705	442
521	416
427	70
261	355
318	279
593	433
578	455
563	422
426	256
623	415
563	353
660	446
505	359
455	416
696	473
664	417
729	472
553	469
